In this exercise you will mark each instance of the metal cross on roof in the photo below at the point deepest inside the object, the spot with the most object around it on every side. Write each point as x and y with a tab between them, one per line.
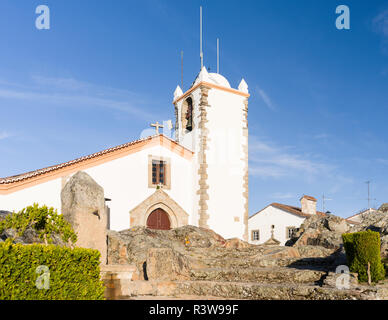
157	126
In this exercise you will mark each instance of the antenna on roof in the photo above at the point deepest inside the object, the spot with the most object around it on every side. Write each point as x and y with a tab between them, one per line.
323	202
369	198
200	36
218	55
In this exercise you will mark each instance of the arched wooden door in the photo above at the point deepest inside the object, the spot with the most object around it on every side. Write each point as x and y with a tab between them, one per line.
158	219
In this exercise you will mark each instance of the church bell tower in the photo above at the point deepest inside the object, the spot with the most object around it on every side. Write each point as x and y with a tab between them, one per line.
212	121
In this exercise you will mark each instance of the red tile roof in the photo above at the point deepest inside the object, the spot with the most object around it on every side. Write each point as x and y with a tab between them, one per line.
291	209
31	174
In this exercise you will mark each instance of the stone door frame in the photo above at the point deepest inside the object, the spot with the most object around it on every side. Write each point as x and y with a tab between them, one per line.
159	199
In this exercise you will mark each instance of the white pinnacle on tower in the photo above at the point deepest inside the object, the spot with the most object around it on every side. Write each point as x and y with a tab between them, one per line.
178	92
243	87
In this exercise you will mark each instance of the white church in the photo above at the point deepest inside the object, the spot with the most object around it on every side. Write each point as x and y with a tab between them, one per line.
199	178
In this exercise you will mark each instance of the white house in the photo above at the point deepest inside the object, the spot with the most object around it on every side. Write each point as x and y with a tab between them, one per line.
277	221
199	178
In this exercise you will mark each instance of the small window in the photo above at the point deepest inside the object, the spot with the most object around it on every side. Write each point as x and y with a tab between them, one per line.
255	236
158	172
290	231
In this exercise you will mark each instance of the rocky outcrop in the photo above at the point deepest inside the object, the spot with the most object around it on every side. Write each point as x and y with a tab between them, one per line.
192	261
321	231
375	221
83	206
131	246
334	280
384	207
166	264
327	231
204	249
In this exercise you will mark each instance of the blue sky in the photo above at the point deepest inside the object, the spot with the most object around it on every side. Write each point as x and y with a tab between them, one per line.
106	69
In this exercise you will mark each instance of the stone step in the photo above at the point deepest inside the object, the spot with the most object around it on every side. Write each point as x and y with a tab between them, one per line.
323	263
114	275
263	275
242	290
117	271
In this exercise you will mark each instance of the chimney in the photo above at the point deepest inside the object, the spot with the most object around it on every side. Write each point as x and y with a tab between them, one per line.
308	205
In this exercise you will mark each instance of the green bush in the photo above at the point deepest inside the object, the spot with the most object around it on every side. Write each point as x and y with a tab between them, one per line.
43	220
361	248
74	273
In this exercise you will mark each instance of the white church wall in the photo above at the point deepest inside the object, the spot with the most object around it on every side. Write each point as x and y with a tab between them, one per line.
125	182
225	159
47	193
269	216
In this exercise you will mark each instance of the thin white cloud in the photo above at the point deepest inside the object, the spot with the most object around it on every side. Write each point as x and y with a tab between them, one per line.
321	136
382	161
71	92
264	96
380	26
380	23
267	160
4	135
339	183
266	171
283	195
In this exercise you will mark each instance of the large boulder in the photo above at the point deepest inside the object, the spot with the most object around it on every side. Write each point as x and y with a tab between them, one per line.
384	207
327	231
166	264
323	231
83	206
194	248
131	246
375	221
236	243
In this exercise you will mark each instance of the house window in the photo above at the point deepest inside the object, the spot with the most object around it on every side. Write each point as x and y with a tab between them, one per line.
290	231
255	236
159	172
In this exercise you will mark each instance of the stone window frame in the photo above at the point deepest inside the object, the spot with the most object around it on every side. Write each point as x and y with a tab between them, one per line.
288	229
159	199
252	235
167	161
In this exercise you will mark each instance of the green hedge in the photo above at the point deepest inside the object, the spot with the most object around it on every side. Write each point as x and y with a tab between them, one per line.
74	273
361	248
